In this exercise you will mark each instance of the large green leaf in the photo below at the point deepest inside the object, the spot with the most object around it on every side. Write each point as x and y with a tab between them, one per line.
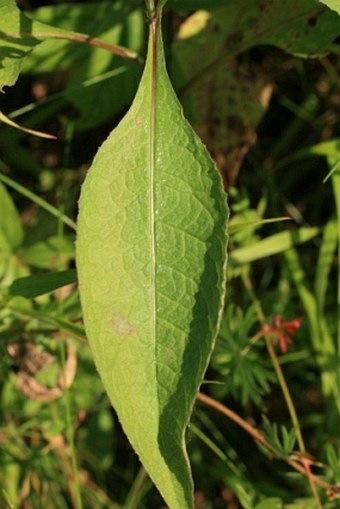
332	4
238	95
151	252
304	28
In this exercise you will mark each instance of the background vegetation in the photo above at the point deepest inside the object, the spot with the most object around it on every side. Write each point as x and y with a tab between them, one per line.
259	81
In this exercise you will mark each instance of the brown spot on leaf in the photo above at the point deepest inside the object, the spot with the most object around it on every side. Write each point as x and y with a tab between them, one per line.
122	326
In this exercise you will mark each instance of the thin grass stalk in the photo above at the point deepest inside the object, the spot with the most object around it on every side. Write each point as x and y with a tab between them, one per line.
282	381
279	373
137	490
38	201
76	492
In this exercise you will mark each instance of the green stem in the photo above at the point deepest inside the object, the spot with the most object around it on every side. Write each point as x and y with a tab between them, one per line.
161	4
70	431
312	485
286	393
336	187
72	329
154	9
59	95
282	381
150	6
275	362
39	201
137	490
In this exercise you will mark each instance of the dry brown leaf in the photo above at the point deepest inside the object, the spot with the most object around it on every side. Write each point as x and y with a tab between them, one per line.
30	360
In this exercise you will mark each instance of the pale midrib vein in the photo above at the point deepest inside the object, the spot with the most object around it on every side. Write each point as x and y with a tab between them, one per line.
153	42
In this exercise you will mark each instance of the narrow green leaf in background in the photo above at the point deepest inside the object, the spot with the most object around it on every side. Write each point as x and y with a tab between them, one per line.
277	243
327	252
11	238
11	231
151	253
33	286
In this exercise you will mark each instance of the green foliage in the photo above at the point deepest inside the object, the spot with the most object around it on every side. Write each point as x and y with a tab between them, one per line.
17	40
94	70
241	367
275	244
333	460
282	445
270	503
270	120
33	286
286	24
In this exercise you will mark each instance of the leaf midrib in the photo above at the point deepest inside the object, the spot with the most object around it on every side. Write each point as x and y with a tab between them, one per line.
153	40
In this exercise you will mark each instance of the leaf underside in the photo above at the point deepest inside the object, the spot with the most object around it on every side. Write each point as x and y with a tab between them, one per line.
151	253
332	4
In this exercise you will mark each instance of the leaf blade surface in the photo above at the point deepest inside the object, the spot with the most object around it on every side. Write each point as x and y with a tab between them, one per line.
151	253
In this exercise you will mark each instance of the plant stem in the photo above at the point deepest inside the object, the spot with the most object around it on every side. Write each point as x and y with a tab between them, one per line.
75	485
80	38
154	9
70	431
286	393
8	121
336	192
39	201
150	6
137	490
285	389
312	484
256	434
59	95
279	373
71	328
